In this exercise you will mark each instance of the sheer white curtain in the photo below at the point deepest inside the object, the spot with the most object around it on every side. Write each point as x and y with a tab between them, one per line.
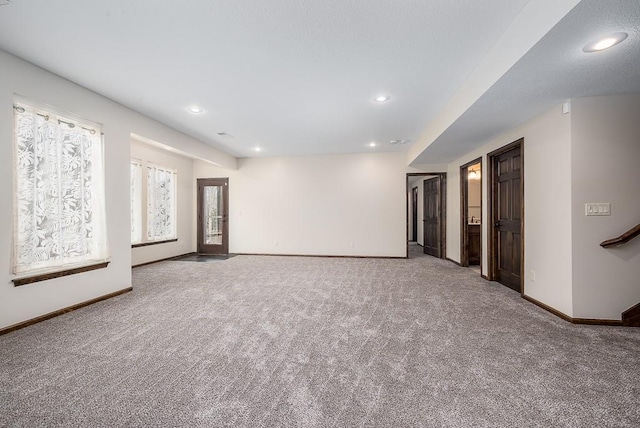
136	201
161	203
59	192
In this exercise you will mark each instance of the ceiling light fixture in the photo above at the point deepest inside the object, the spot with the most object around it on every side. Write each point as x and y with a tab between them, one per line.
605	43
195	109
474	174
257	149
372	144
382	98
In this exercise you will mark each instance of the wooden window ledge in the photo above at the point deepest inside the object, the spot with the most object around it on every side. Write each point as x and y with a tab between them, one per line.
145	244
46	276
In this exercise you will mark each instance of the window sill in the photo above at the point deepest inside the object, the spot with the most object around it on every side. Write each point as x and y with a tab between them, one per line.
46	276
145	244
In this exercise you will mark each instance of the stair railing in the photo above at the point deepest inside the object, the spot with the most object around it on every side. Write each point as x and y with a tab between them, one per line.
622	239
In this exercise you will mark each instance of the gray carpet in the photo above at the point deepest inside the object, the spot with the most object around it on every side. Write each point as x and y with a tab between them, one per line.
317	342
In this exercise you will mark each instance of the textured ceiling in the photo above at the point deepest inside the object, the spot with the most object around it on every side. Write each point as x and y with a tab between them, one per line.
553	71
293	77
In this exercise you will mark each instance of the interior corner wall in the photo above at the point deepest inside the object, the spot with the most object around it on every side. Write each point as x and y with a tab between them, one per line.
547	219
605	157
18	304
184	199
454	212
343	205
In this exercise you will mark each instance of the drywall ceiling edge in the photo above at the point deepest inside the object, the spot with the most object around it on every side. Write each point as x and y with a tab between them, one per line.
533	22
206	156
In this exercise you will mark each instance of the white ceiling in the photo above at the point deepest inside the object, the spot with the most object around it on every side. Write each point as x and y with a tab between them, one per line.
298	76
291	76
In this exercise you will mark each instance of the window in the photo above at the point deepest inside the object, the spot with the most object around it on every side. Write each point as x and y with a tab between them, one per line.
161	203
136	201
59	219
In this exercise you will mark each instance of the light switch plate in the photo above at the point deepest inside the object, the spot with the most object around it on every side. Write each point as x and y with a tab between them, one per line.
597	208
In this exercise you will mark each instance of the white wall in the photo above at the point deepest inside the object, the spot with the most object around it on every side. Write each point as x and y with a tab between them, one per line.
322	205
605	168
22	303
547	181
185	185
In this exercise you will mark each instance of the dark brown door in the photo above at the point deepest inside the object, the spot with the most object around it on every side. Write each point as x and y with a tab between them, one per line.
414	214
213	212
432	217
507	217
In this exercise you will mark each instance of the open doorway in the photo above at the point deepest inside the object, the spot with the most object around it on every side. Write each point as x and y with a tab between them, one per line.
471	215
426	214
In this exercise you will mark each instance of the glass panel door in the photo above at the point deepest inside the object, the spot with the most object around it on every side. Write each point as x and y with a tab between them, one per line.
212	216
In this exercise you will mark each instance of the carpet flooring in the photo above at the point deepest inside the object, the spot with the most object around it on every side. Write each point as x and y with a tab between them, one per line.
317	342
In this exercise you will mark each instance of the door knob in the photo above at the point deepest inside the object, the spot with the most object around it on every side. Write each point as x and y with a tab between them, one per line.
496	224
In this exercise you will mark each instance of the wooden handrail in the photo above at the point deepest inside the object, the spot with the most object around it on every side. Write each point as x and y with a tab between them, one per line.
622	239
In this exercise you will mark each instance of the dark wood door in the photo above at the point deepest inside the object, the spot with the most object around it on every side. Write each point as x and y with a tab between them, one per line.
432	217
507	217
414	214
213	212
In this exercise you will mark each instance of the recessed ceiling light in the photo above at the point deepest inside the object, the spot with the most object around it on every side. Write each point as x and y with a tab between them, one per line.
372	144
257	149
605	43
382	98
195	109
